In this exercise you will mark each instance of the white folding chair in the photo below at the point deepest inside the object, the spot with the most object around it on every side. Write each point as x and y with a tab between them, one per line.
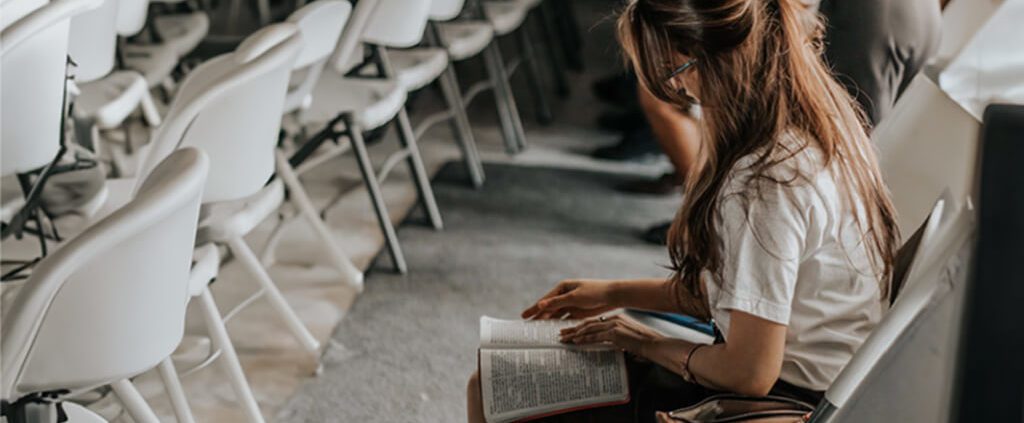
907	353
155	61
110	303
468	38
34	51
183	32
320	24
418	67
510	19
358	104
107	96
230	107
227	107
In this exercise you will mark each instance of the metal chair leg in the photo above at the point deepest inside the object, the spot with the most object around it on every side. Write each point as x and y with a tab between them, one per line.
419	172
351	275
554	59
133	402
248	259
460	125
221	342
529	59
511	124
376	196
169	375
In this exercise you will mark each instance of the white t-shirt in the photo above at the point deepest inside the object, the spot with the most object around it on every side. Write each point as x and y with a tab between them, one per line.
793	254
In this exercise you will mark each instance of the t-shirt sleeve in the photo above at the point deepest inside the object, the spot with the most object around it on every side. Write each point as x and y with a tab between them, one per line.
763	238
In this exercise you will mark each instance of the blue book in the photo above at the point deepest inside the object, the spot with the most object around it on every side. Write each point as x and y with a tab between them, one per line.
681	320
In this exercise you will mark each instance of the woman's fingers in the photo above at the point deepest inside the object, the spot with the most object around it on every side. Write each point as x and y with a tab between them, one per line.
663	417
536	309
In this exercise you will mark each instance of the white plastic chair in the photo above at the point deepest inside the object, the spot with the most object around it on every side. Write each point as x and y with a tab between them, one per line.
34	51
465	39
908	354
155	61
415	68
359	104
230	107
510	18
107	97
320	24
105	306
183	32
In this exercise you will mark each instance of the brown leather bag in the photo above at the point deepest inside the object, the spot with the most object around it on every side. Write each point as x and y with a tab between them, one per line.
729	408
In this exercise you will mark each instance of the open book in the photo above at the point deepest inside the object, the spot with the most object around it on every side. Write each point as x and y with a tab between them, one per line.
526	373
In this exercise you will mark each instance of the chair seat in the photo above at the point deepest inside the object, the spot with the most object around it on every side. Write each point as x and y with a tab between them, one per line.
372	102
182	32
111	99
205	264
506	15
225	220
465	39
155	62
416	68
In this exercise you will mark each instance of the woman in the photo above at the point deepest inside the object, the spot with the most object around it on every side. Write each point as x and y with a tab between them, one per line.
787	234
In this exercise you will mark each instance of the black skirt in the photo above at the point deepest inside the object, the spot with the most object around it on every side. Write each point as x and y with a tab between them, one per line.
653	388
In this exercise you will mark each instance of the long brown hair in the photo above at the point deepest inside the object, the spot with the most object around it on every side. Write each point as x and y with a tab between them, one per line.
760	76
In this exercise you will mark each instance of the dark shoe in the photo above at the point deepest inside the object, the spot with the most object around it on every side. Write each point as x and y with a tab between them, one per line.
657	234
618	89
622	121
636	146
665	184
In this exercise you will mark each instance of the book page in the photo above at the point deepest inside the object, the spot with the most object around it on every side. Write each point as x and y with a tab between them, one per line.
522	333
518	383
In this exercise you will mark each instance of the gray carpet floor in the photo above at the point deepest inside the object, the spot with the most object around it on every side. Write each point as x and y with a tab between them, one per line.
407	346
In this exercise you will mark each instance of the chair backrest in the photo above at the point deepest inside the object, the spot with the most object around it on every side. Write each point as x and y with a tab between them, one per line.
349	50
34	50
230	107
909	355
398	23
445	10
93	41
918	245
131	16
320	24
915	252
926	145
111	302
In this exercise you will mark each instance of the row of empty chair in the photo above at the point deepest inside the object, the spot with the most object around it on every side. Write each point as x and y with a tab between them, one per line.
116	277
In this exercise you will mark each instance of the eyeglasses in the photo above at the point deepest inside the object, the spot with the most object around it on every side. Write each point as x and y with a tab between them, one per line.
682	68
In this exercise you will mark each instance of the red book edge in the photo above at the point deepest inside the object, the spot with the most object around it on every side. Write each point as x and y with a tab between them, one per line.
562	411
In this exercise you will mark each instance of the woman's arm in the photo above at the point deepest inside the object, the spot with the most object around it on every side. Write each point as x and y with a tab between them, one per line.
583	298
748	363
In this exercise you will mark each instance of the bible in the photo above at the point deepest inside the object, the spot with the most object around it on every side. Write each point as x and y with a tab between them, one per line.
526	373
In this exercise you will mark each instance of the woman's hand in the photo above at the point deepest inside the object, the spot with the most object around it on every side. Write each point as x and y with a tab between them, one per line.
664	417
575	298
620	331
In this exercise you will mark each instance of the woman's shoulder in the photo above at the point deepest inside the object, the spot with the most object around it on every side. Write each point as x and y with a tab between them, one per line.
794	168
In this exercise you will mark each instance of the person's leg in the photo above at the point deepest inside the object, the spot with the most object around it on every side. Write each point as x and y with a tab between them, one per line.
474	402
676	131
